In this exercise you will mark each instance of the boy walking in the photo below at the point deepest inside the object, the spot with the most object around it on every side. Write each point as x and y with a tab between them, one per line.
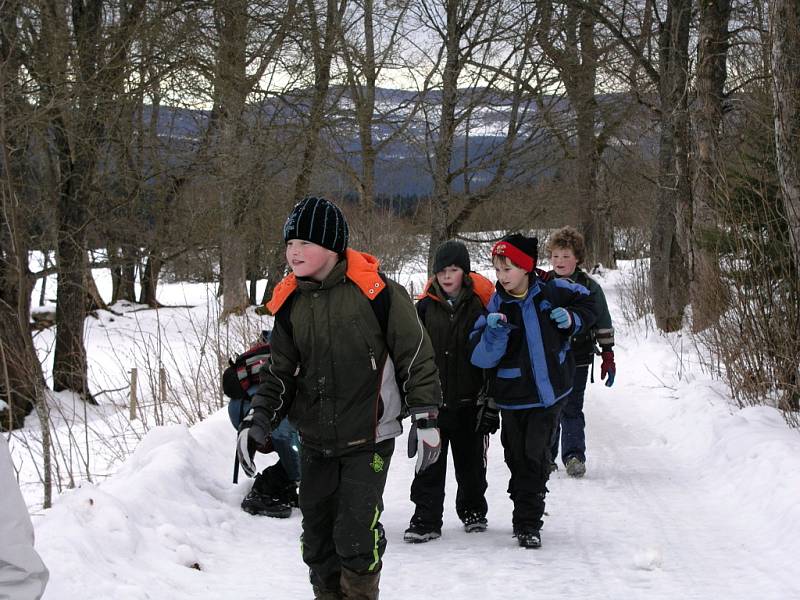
567	251
448	307
345	342
525	341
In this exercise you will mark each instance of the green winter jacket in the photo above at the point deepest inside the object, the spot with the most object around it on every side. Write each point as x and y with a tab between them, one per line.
340	380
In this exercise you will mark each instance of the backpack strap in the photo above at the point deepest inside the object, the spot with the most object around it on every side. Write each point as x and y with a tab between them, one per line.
381	305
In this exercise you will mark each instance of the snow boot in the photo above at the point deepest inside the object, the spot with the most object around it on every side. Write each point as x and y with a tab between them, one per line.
419	532
269	498
359	587
474	522
320	594
575	467
528	538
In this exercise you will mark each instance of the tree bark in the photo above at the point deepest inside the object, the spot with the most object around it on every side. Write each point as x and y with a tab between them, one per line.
785	58
152	269
668	274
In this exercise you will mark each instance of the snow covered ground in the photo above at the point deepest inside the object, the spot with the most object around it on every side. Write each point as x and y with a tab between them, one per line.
684	497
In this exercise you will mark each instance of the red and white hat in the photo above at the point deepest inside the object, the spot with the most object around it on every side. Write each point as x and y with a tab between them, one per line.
522	251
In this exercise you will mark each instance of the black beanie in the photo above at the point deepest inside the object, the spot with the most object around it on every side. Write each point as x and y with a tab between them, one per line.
449	253
319	221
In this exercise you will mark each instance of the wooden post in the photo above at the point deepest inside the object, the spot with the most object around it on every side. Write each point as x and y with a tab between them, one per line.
162	389
134	374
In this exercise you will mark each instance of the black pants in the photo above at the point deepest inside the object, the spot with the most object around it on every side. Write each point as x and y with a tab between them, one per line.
526	436
457	429
341	498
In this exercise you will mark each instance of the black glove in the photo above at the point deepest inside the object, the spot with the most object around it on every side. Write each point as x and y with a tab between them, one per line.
254	435
488	419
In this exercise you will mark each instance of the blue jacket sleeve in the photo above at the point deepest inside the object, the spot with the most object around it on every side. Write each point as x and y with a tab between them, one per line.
489	344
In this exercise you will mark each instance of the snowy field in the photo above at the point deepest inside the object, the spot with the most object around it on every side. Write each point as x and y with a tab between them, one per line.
684	497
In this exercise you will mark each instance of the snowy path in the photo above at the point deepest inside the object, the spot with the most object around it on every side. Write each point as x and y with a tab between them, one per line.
682	500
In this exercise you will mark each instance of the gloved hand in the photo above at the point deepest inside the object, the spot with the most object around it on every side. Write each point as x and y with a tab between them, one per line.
562	317
488	420
493	320
607	367
424	441
254	435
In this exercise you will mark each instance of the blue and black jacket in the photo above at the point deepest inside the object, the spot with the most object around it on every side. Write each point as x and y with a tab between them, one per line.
531	363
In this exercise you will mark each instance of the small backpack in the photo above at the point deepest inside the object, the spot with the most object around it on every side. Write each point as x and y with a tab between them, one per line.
241	378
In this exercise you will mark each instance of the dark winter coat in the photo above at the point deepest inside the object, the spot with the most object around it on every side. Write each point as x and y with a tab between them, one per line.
340	379
603	330
449	326
532	365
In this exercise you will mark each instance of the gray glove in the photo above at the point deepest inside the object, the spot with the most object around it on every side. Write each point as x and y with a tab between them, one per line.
424	441
254	435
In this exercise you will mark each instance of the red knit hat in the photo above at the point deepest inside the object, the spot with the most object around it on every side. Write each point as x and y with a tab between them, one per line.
522	251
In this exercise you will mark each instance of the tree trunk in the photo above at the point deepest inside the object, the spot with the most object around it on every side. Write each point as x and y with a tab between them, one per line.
323	45
123	275
231	93
276	268
706	289
668	275
69	363
443	151
150	279
785	30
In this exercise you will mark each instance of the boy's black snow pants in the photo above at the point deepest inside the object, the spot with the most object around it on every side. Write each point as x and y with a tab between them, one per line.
341	498
457	430
526	436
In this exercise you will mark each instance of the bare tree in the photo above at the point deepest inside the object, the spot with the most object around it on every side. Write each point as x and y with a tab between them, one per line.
21	380
668	273
578	57
706	290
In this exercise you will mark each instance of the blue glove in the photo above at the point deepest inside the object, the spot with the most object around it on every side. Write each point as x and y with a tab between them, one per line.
562	317
493	320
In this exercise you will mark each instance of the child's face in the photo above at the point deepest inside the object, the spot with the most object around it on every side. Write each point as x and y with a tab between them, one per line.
513	279
307	259
451	279
564	261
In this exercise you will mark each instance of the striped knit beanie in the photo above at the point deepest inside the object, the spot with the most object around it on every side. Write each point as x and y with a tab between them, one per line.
319	221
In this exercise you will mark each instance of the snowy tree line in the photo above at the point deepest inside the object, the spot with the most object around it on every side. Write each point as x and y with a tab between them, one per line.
157	137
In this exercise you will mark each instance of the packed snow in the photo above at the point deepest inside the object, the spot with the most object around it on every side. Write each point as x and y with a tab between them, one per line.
685	496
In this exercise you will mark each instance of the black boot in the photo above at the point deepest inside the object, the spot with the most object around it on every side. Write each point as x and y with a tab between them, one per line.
320	594
269	496
359	587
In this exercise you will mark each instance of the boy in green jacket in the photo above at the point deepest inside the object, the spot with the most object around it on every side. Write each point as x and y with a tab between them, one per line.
349	356
567	251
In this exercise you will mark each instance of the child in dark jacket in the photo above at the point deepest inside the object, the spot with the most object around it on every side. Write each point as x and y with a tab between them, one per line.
525	340
567	251
448	307
336	370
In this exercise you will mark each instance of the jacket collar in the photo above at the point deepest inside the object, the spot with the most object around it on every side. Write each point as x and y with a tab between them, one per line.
359	267
482	287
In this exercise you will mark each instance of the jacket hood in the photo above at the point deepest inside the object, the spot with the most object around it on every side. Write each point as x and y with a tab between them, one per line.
482	287
362	269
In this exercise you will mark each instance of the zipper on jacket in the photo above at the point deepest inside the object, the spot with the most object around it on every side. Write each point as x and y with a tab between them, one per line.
372	360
